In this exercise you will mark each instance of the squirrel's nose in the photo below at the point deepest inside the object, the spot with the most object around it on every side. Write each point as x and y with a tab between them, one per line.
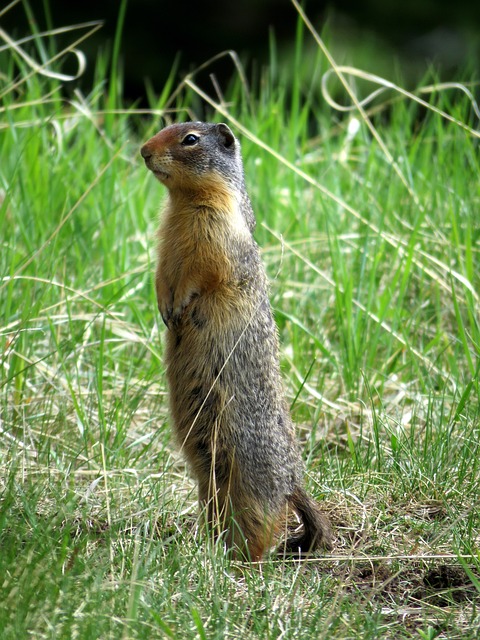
145	151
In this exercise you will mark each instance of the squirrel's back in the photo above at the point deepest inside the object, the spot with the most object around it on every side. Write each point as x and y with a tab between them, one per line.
226	394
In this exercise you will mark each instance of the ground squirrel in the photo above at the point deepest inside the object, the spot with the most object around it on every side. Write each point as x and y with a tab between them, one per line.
226	397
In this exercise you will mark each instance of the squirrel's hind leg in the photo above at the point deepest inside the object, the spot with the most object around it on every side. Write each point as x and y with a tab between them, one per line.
248	531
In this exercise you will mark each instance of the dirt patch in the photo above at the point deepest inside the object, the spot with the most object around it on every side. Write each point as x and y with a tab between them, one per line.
440	585
445	583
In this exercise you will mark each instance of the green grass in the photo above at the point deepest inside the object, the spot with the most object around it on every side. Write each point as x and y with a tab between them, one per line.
371	240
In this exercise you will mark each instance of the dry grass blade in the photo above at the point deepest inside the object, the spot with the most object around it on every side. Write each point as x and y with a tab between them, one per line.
386	85
45	67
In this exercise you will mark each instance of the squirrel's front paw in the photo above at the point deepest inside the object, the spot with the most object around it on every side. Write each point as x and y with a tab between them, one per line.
180	304
165	303
166	312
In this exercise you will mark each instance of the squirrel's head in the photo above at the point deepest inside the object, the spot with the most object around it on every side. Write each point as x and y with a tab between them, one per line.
193	155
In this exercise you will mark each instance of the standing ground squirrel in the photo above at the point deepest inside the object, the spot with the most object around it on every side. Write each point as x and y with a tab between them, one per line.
227	402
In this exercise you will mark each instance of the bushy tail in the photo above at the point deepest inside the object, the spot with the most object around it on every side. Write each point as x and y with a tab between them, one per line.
317	531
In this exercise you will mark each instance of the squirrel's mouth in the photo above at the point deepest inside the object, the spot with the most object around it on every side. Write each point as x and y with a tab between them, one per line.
157	171
160	175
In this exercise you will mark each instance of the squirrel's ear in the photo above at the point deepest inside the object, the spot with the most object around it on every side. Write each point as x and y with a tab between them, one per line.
226	136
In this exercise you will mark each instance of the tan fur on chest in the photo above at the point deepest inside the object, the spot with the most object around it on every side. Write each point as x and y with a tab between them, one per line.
194	236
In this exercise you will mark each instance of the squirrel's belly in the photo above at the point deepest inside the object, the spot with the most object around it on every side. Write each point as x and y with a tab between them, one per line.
226	395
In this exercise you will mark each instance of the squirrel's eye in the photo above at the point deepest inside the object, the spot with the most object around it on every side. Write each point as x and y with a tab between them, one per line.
190	140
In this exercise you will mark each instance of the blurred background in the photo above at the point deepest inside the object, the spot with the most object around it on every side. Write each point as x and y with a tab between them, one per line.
161	35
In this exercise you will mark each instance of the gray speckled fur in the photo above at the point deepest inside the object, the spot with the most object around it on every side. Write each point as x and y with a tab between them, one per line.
236	366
